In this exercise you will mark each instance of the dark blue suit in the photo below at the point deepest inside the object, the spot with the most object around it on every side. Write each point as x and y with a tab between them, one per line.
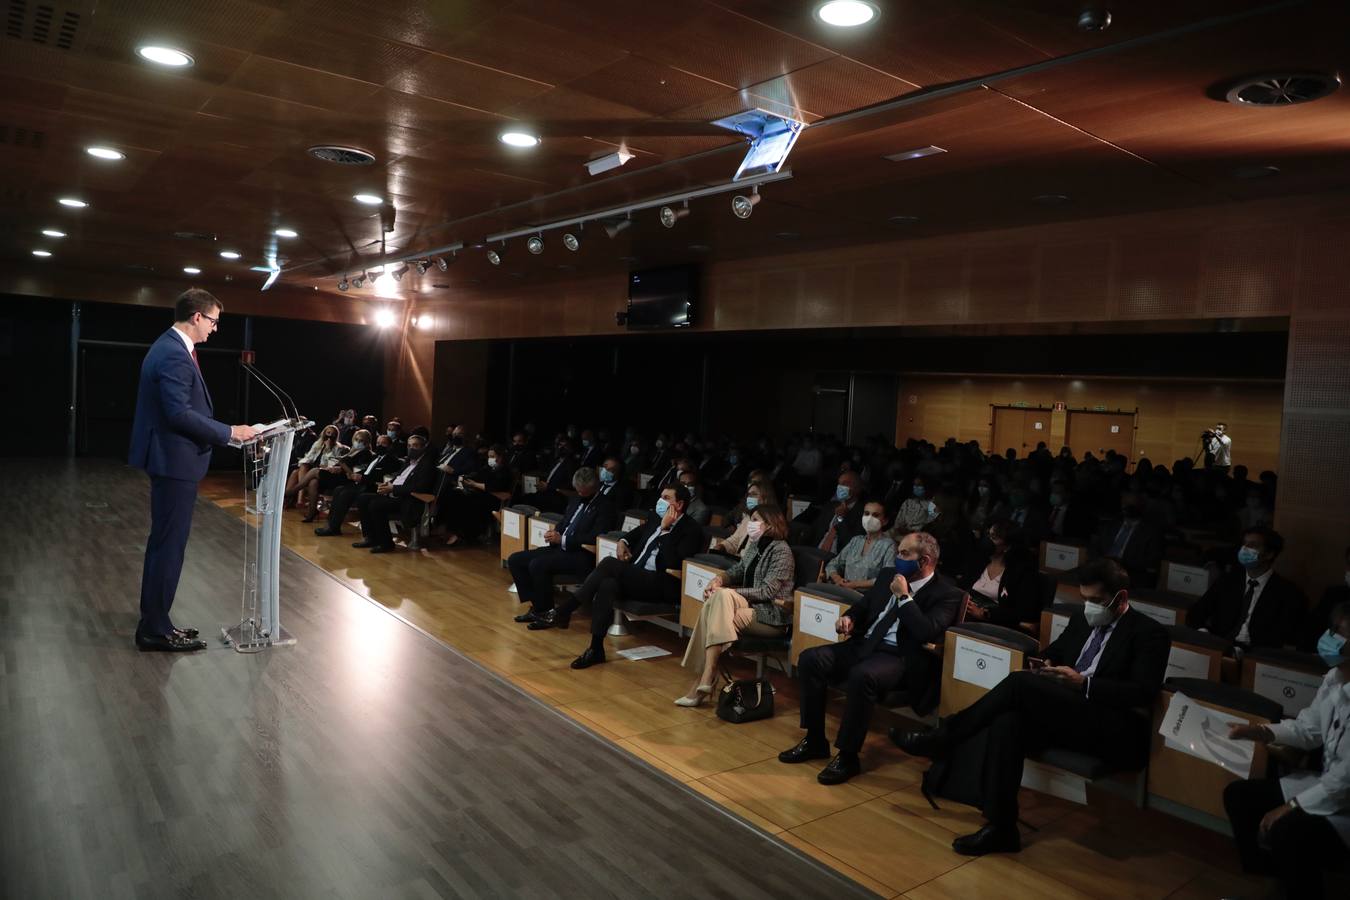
533	570
171	439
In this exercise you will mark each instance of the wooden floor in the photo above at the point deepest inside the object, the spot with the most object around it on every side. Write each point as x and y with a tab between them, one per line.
367	761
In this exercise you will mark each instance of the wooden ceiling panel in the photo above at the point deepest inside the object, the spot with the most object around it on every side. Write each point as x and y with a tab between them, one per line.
831	87
317	44
460	82
298	84
117	29
533	49
151	125
652	87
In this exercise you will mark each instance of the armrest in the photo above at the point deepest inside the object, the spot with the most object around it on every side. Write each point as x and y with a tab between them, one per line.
673	573
425	498
589	547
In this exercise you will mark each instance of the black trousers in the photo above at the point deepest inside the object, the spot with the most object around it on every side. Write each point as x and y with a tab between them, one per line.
1026	713
171	503
1297	848
614	581
533	572
466	513
867	679
344	498
377	509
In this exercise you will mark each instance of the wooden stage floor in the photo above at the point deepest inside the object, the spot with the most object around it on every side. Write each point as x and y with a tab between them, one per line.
370	761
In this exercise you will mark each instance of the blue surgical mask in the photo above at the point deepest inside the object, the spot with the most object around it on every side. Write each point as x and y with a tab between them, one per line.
1331	647
733	459
393	435
918	490
606	476
1248	557
906	567
662	507
841	493
359	445
751	502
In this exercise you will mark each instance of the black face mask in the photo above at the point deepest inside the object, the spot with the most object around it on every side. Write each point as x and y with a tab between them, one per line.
414	453
457	440
382	449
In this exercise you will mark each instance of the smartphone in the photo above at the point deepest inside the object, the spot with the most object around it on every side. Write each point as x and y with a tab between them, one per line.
1035	662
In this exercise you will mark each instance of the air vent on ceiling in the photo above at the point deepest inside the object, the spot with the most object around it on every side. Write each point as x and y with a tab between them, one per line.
42	23
343	156
1283	89
194	235
25	138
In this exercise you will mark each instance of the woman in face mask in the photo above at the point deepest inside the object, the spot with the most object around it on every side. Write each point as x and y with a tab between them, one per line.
866	554
1293	827
916	512
320	471
983	505
752	597
1005	589
759	493
466	513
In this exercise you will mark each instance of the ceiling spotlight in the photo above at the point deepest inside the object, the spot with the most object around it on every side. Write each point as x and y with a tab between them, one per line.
846	13
164	56
191	270
742	206
105	153
72	202
571	242
1093	18
286	233
609	161
421	266
359	280
495	257
519	139
342	285
42	253
424	323
615	227
52	232
400	272
442	263
535	245
368	199
384	319
229	254
670	216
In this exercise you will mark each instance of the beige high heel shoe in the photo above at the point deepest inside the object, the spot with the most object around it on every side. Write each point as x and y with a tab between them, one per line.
701	693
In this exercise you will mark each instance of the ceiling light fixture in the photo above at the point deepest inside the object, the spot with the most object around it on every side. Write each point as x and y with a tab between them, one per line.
286	233
535	245
742	206
670	216
421	266
359	280
191	270
519	139
229	254
424	323
846	13
72	202
164	56
616	227
495	256
1093	18
42	253
342	285
571	242
400	272
384	319
52	232
608	161
368	199
105	153
442	263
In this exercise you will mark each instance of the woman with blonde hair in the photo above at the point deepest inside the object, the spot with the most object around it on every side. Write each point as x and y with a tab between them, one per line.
320	470
760	493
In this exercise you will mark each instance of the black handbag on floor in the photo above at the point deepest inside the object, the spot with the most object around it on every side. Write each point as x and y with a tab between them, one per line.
745	700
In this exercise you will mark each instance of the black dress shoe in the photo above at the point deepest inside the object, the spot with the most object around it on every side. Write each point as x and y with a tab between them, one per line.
930	744
839	770
189	633
325	531
989	839
382	548
527	616
805	750
589	658
363	544
160	643
551	619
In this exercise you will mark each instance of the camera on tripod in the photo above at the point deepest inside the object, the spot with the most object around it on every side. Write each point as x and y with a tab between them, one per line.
1207	435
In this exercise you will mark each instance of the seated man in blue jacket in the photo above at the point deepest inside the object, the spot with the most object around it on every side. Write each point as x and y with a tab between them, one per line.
588	515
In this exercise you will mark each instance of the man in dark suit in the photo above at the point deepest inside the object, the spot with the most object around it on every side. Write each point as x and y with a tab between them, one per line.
614	486
839	521
1255	607
549	495
365	469
637	573
587	516
1094	695
1136	543
171	439
592	453
909	605
396	498
522	459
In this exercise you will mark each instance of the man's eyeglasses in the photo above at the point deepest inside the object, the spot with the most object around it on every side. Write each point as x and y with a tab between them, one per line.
213	321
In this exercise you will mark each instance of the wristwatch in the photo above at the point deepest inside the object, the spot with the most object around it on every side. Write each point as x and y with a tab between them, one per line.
1293	804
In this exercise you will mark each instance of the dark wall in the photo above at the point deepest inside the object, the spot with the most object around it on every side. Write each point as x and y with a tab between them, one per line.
35	374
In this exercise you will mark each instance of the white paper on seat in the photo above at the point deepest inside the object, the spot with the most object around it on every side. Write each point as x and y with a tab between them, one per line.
1163	615
798	507
511	524
696	580
529	484
630	522
538	528
1183	663
1292	689
648	652
1198	731
605	548
1061	557
979	663
644	479
816	617
1192	581
1057	625
512	590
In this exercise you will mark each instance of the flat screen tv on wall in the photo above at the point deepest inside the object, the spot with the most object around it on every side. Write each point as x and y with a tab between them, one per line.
662	298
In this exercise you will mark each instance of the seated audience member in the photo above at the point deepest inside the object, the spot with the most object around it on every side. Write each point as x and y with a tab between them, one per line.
837	522
320	470
1094	695
698	510
1069	519
1254	607
549	496
457	457
857	565
635	460
1027	514
466	512
1294	827
908	606
522	459
917	511
636	574
394	428
735	474
1135	543
614	486
984	505
1332	597
757	493
587	516
753	597
592	453
1006	589
365	468
396	499
346	424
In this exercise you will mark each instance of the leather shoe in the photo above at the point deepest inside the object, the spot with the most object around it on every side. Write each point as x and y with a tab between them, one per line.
989	839
361	545
527	616
929	744
839	770
551	619
589	658
805	750
189	633
382	548
325	531
160	643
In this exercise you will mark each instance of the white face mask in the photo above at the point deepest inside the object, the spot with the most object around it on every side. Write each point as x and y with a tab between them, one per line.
871	524
1099	615
754	528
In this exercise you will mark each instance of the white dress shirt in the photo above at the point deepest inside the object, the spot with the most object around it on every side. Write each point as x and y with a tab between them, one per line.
894	630
403	476
1323	723
187	341
1244	634
650	564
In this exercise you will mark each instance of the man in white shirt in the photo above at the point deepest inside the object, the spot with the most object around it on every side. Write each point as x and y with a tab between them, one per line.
1220	448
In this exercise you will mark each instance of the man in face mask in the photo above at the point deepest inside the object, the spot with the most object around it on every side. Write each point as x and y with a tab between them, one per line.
592	454
395	498
1332	597
614	486
1090	693
838	521
365	468
1254	606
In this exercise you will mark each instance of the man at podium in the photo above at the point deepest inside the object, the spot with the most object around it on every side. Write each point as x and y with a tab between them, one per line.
171	439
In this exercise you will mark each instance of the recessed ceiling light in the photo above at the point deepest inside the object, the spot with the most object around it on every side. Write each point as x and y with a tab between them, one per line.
52	232
519	139
72	202
164	56
42	253
368	199
846	13
229	254
105	153
286	233
191	270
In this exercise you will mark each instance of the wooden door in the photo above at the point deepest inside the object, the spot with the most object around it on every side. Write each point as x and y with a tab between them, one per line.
1097	432
1021	429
